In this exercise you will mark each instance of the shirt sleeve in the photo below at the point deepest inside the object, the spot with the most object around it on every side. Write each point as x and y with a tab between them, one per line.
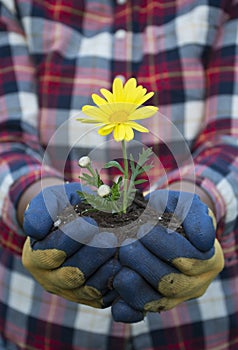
20	151
215	151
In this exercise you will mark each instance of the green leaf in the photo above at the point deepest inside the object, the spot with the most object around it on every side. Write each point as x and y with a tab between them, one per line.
81	195
144	156
145	168
98	203
141	181
140	168
88	179
148	167
119	180
115	189
91	180
114	163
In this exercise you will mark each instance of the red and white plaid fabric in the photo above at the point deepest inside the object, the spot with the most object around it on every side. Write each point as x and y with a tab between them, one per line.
53	56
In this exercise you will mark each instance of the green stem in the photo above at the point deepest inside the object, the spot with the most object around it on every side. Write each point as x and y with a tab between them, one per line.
126	176
129	189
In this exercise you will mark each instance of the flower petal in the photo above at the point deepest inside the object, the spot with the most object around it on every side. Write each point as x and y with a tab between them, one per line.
98	100
145	98
116	110
123	107
130	85
105	130
139	94
95	112
129	133
143	113
137	126
89	121
132	92
109	126
119	132
117	90
107	94
107	109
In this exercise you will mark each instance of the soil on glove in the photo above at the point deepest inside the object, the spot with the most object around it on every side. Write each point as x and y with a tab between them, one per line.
123	225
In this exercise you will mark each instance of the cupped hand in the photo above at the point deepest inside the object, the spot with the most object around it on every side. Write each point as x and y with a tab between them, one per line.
163	268
74	261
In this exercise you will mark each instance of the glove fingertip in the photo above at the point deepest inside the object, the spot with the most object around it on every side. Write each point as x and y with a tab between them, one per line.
122	312
109	298
71	191
37	225
199	226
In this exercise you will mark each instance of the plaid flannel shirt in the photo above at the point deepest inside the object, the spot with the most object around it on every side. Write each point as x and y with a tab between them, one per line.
53	56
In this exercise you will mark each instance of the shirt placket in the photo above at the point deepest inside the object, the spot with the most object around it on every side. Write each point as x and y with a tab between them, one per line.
122	48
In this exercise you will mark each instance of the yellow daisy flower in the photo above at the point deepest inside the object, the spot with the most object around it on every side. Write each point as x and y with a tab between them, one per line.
117	111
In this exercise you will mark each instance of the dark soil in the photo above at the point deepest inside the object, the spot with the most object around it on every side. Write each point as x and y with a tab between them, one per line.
123	225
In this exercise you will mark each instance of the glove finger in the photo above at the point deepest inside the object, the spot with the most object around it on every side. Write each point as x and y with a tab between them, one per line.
184	287
38	260
163	304
69	277
191	212
102	279
71	189
109	298
171	246
179	287
90	257
199	226
171	202
99	285
83	295
51	252
68	282
44	208
37	222
122	312
90	296
70	237
137	257
134	289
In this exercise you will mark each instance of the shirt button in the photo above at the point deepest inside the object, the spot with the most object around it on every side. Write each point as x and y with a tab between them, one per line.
121	2
120	34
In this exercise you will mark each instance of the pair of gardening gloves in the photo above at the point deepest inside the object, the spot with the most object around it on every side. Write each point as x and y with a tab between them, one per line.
155	271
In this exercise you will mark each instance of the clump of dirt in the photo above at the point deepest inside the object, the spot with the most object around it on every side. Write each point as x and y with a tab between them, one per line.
124	225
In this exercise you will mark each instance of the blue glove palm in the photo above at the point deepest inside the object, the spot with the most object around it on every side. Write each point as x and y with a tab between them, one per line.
163	268
74	261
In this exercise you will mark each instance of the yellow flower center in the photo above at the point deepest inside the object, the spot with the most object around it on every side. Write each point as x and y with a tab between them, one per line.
119	117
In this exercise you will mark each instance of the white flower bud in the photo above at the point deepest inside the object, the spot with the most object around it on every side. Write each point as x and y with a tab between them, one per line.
104	190
84	162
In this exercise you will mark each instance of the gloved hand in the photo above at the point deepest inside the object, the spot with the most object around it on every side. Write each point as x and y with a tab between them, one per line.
74	261
163	268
